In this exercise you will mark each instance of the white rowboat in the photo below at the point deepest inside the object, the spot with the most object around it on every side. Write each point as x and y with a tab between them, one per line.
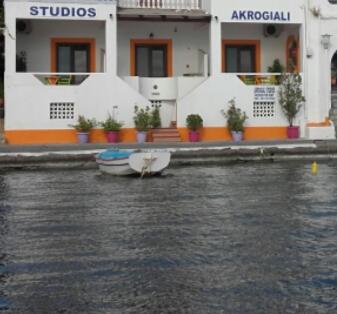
122	163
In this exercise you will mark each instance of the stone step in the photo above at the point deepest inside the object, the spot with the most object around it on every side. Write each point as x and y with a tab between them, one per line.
165	135
166	140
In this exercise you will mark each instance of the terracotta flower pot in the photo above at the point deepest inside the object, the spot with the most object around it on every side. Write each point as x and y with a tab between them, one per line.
293	132
193	136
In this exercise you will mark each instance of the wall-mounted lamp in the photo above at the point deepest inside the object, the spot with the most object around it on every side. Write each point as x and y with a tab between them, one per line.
325	41
216	18
151	35
111	16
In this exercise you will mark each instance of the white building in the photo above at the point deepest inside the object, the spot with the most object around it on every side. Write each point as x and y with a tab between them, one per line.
91	57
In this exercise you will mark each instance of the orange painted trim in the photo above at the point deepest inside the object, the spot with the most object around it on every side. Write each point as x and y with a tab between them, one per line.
290	40
128	135
242	42
251	133
62	136
151	42
90	41
325	123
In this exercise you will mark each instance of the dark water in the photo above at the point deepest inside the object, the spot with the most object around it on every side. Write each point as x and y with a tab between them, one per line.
245	238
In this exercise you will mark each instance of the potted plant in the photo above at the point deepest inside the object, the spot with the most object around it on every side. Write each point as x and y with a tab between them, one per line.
236	119
194	122
111	127
142	120
155	117
290	98
83	127
276	67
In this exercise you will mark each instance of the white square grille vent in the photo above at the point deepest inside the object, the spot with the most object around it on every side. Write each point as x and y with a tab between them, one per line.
61	110
156	102
263	109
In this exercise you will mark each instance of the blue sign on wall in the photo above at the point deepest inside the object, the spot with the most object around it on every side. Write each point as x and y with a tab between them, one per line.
62	11
270	16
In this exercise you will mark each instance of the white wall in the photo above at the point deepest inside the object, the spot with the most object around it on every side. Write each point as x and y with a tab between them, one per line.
37	44
187	39
94	98
213	95
271	47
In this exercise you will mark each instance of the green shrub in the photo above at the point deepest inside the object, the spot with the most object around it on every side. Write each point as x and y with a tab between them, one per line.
111	124
276	67
83	124
235	117
290	96
155	117
194	122
142	118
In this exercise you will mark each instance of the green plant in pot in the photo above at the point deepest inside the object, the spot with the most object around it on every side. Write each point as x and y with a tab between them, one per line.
111	127
83	128
142	121
155	117
276	67
236	119
290	98
194	123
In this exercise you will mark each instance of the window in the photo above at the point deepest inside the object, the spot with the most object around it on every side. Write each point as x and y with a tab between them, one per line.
72	58
71	55
241	56
240	59
151	60
151	57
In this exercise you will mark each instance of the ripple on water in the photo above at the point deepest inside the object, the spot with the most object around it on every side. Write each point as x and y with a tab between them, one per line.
241	238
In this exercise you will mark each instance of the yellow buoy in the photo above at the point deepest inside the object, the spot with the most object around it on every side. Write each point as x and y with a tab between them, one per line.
314	167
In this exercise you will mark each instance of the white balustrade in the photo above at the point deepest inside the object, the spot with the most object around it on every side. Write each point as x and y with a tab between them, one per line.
161	4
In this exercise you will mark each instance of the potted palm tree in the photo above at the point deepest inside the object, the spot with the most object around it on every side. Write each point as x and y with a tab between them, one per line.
83	128
194	122
111	127
142	120
290	98
236	119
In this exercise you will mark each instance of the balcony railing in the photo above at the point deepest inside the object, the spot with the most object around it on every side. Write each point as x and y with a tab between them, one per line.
161	4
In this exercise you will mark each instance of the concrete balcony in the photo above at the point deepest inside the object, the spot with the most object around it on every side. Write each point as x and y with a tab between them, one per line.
161	4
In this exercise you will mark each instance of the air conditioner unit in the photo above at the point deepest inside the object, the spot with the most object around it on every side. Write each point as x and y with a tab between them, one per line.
23	26
272	30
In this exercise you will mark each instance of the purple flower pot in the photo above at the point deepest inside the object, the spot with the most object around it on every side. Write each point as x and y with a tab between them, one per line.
112	136
293	132
193	136
141	137
237	136
82	137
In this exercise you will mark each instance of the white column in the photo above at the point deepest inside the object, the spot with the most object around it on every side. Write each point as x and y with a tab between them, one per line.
10	40
111	42
215	46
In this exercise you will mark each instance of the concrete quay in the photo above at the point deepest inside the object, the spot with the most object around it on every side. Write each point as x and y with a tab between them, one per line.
77	156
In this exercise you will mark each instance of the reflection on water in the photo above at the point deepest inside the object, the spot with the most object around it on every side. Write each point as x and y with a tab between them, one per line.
255	238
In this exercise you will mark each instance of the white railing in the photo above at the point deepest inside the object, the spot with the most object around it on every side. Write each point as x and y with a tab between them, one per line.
161	4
